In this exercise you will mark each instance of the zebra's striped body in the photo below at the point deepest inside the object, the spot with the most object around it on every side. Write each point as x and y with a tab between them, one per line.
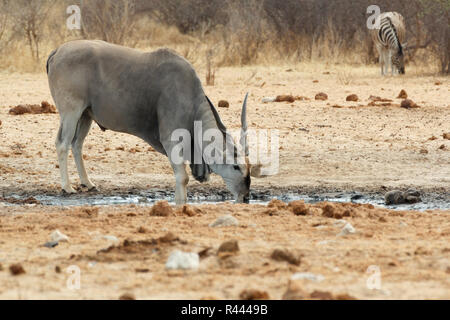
389	41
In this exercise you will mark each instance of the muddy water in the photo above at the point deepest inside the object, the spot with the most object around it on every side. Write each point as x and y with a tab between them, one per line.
429	202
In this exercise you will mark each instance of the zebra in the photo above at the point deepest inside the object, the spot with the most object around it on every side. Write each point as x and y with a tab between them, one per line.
389	41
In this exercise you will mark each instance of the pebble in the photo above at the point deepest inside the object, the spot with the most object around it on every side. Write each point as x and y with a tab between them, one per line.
307	276
225	221
57	236
347	229
269	99
51	244
111	238
183	260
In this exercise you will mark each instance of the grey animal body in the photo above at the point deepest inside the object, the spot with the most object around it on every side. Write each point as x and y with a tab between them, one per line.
148	95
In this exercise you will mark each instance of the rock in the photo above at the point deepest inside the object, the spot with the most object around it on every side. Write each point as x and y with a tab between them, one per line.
307	276
51	244
321	96
161	209
394	197
57	236
228	247
285	255
446	135
331	210
321	295
45	107
127	296
278	204
111	238
408	104
183	260
402	95
423	151
285	98
269	99
347	229
344	296
16	269
294	291
299	208
224	104
188	211
353	97
58	269
252	294
225	221
398	197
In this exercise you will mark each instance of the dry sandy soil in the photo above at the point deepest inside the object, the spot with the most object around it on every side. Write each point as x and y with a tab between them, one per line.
323	148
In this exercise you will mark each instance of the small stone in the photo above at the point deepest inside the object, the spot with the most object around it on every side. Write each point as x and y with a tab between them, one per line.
143	230
321	295
347	229
394	197
228	247
111	238
161	209
51	244
57	236
353	97
398	197
252	294
285	98
408	104
127	296
188	211
299	208
294	291
446	136
16	269
224	104
275	203
58	269
423	151
183	260
321	96
284	255
269	99
402	95
225	221
307	276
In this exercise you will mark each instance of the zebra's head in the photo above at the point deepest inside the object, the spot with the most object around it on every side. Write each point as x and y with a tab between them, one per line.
398	60
399	63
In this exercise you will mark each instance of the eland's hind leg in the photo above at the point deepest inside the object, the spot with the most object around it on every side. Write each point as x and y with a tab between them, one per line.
83	127
68	126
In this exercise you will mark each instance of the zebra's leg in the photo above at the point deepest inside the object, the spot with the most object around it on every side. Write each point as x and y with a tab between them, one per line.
390	63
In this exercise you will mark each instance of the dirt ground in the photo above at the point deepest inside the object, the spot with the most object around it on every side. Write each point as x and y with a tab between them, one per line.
325	146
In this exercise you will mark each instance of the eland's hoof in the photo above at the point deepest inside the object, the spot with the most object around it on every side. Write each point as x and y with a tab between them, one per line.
68	191
91	188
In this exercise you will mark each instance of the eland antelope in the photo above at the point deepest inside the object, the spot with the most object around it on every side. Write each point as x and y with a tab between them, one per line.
148	95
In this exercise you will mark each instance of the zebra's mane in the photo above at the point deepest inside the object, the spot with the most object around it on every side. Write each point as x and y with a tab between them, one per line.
400	48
